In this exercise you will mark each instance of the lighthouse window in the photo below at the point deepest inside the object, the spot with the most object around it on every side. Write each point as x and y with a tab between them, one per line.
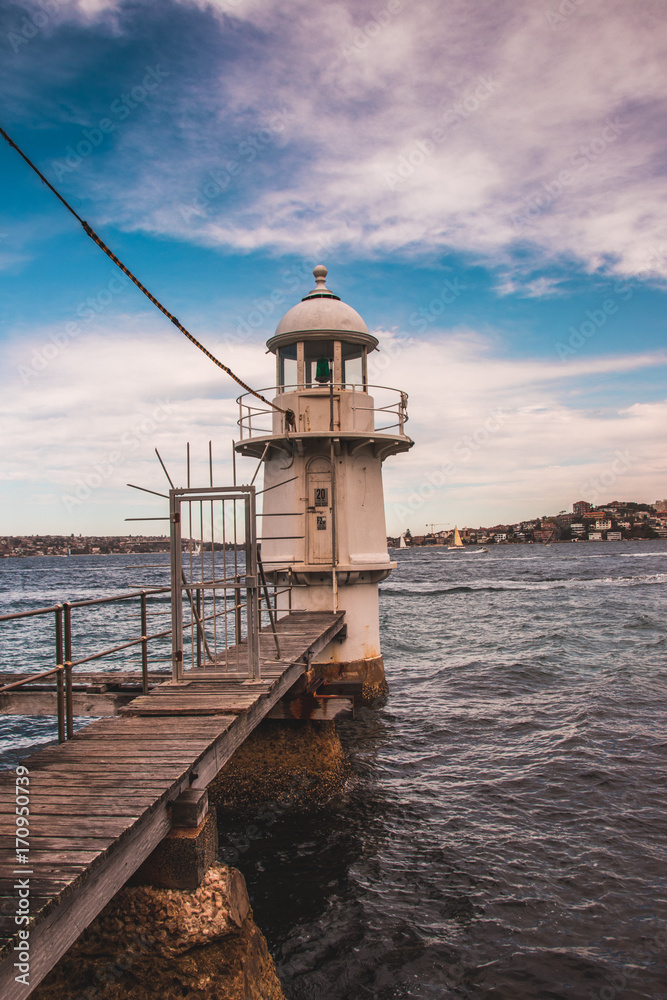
288	367
318	359
354	365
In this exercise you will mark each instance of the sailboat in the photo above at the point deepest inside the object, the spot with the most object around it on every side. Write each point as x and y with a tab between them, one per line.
458	542
458	546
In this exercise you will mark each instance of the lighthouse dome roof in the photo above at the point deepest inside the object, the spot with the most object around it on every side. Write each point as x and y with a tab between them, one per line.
321	315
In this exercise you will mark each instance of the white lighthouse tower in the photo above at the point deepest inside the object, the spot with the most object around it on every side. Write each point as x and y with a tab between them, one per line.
323	510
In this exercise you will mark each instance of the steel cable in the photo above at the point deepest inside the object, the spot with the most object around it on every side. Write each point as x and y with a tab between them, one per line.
111	255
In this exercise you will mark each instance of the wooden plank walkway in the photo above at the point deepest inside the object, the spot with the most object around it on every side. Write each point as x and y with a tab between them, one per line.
99	804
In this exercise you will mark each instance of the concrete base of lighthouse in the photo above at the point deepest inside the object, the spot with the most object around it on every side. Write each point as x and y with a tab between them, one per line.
364	679
353	664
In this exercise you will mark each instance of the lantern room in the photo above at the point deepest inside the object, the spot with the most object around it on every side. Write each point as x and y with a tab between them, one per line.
321	341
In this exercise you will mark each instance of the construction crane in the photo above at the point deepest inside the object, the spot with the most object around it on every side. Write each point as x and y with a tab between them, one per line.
439	524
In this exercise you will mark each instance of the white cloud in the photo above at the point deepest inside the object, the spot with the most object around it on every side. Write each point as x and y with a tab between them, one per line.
549	134
494	436
93	414
538	288
515	431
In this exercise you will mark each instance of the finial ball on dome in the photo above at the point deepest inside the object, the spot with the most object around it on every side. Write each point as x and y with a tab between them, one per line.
320	274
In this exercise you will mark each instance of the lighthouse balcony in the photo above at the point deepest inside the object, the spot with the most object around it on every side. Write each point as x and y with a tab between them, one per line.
342	411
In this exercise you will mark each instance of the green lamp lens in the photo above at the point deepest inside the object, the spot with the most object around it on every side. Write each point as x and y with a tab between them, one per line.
323	371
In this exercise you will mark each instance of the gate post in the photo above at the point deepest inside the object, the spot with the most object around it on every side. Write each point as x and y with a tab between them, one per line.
254	669
176	592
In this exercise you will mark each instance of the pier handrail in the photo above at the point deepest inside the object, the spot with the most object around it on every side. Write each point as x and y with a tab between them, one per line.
63	644
65	660
64	718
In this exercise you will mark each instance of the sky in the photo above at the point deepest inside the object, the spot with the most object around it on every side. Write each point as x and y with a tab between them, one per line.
484	181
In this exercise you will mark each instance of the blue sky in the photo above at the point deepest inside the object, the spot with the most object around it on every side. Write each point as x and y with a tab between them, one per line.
485	183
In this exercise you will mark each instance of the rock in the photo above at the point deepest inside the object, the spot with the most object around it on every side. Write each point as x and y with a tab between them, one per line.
207	948
237	897
282	764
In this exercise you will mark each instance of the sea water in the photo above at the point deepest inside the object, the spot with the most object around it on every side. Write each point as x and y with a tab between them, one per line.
502	834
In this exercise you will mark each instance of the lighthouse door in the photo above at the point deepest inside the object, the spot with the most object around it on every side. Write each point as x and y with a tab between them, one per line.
319	511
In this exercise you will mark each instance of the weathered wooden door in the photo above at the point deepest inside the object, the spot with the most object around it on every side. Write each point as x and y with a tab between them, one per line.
319	511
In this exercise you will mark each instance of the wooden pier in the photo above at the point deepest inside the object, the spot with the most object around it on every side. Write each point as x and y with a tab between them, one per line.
101	802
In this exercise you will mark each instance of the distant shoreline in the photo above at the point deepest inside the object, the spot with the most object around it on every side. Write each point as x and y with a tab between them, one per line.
556	541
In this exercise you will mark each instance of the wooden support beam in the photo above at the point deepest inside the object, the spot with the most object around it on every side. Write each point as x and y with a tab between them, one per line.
44	703
319	708
190	808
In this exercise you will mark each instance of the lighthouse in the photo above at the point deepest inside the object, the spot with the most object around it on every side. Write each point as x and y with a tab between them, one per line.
322	519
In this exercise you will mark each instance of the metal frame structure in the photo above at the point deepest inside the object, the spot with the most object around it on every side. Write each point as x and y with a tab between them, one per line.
212	642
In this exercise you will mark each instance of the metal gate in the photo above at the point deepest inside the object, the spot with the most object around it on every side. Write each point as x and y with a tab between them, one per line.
214	583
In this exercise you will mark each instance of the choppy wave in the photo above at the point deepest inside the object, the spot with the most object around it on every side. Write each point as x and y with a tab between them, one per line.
427	588
546	552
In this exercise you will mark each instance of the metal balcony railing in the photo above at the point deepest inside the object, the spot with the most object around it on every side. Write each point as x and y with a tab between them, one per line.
384	403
